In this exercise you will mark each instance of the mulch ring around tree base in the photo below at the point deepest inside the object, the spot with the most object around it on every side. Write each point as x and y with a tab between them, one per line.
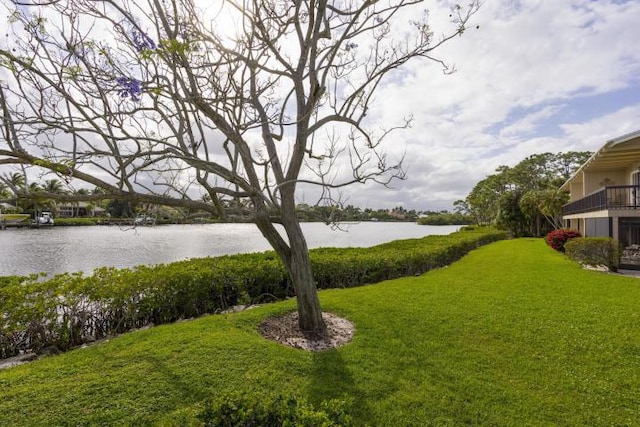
285	330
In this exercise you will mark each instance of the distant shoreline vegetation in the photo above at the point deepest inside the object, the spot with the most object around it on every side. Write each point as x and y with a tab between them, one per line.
70	222
124	212
445	218
306	213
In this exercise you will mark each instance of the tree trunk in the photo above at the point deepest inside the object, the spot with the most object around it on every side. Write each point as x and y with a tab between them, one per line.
295	257
300	272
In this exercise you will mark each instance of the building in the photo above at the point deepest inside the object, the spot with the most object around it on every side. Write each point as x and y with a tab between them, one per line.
78	210
604	196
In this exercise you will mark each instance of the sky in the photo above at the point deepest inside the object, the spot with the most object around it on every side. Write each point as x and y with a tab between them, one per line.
536	76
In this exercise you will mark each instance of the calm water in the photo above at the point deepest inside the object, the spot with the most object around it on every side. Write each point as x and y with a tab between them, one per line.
71	249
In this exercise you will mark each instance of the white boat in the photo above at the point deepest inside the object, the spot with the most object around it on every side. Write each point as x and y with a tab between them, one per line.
144	219
45	218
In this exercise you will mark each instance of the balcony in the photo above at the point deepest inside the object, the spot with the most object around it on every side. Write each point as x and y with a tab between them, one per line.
614	197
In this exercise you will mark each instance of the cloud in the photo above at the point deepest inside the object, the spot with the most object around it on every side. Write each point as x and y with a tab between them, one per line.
535	76
532	78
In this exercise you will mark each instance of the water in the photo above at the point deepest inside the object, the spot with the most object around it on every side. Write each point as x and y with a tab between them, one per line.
70	249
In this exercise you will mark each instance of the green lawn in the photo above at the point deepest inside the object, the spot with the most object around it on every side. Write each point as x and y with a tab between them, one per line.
513	334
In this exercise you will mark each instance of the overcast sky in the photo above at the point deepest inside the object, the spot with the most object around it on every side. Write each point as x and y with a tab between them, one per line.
537	76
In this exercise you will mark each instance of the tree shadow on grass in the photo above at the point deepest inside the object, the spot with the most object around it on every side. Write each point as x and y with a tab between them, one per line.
188	389
331	379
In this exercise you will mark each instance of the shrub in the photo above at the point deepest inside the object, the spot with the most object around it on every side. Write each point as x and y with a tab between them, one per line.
248	410
77	221
557	238
595	251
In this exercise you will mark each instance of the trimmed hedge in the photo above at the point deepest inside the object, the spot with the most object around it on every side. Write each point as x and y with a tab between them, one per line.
68	310
78	221
595	251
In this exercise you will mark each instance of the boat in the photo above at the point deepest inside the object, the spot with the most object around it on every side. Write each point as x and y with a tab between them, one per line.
45	218
144	219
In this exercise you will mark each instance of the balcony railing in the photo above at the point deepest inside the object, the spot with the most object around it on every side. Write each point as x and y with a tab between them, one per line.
614	197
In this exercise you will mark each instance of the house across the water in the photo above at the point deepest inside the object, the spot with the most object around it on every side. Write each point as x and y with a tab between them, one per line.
78	210
605	196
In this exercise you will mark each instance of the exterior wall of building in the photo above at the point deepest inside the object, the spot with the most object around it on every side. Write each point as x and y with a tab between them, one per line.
574	224
619	164
592	224
576	191
73	211
594	181
598	227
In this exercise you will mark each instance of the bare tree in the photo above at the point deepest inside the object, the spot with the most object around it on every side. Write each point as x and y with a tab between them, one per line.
166	101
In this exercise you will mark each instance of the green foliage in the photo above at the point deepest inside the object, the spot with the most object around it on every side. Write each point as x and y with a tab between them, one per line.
77	221
445	218
558	238
253	410
70	309
595	251
479	343
539	174
344	268
335	213
174	46
121	208
509	214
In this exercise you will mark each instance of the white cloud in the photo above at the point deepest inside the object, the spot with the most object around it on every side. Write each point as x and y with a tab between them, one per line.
528	123
528	66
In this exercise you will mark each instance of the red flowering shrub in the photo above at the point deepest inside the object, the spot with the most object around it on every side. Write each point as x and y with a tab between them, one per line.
557	238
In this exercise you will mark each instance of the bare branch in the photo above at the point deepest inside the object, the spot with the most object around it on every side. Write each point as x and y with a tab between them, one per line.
165	102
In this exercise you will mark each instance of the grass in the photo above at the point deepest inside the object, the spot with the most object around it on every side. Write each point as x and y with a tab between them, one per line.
513	334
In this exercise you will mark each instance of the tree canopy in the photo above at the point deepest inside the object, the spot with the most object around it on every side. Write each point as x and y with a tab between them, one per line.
186	103
525	198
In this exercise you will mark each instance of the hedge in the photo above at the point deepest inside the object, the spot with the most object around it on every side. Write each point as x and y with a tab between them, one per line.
595	251
68	310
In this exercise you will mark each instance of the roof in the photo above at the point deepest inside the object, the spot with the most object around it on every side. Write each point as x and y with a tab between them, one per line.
75	205
619	153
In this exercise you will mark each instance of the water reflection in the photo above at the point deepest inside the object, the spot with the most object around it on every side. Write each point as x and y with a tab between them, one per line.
70	249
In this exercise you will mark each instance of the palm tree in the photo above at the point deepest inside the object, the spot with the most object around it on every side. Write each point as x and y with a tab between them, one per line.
4	191
34	187
100	203
30	200
54	186
79	192
15	180
15	183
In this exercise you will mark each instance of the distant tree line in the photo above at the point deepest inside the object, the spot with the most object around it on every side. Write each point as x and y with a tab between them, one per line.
33	197
350	213
524	199
445	218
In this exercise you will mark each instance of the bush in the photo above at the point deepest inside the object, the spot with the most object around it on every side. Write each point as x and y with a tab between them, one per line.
77	221
247	410
445	218
68	310
595	251
557	238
